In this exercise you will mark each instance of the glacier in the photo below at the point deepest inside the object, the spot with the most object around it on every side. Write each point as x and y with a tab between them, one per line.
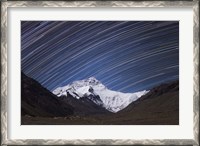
113	101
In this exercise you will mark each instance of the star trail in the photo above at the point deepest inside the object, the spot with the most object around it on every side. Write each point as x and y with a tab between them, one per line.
126	56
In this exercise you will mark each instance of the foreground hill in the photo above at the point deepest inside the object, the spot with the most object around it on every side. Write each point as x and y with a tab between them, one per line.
83	106
37	102
160	106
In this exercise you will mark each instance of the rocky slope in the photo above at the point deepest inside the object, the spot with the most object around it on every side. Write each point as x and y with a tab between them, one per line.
94	90
37	101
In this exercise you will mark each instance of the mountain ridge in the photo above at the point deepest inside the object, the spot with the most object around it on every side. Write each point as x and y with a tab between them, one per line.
155	92
41	107
113	101
37	101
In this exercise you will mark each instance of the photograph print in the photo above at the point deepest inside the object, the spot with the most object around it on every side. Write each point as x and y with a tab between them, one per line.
100	72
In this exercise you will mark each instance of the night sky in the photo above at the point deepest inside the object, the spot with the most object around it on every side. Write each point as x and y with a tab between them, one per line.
126	56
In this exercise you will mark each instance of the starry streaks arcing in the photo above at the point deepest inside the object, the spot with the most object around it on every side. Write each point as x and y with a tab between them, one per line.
126	56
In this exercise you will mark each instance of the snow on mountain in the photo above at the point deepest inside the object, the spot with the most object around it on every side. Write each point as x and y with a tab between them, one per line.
93	89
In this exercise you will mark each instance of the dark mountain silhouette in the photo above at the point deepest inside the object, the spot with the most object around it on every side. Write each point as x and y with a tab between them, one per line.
159	106
83	106
39	106
156	92
37	101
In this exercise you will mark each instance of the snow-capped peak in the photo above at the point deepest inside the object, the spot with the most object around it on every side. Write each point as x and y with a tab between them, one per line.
92	81
113	101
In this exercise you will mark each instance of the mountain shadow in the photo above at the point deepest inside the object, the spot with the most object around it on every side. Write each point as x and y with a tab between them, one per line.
83	106
160	106
39	103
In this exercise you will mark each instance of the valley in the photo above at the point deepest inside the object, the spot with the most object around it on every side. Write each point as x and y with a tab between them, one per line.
159	106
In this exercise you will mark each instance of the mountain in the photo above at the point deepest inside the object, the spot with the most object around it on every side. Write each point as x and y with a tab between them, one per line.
94	90
38	101
159	106
83	106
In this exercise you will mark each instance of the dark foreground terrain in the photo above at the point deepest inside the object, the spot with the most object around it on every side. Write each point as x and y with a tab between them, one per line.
40	107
